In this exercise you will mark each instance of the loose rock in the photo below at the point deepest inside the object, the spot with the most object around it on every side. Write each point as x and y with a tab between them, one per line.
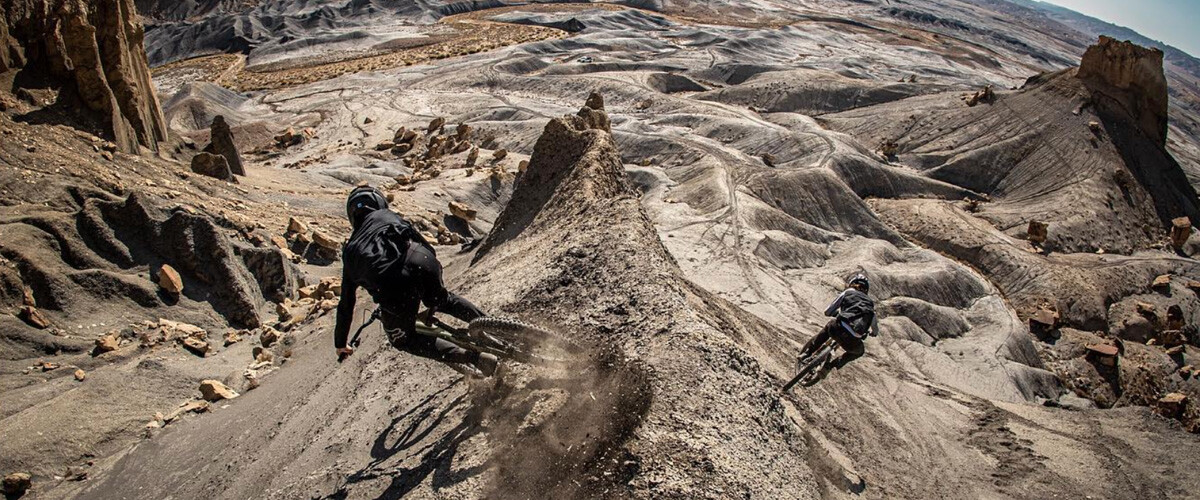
17	483
462	211
214	390
212	165
169	280
1037	232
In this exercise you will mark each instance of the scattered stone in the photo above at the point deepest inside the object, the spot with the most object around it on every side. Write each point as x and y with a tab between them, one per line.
1045	317
1037	232
368	121
328	305
987	95
462	132
1162	281
405	136
1094	126
767	158
169	280
1181	230
17	483
499	154
384	146
1105	354
284	313
329	284
431	239
107	343
462	211
80	375
212	165
325	242
214	390
269	336
189	407
47	365
1146	308
288	138
196	346
307	292
1173	404
1175	351
888	149
436	125
472	157
33	317
232	337
295	226
522	166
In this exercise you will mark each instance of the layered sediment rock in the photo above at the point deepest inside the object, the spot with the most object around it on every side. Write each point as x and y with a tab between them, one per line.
1132	77
91	51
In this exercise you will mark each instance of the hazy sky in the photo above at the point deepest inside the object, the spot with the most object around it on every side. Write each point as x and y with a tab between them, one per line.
1176	22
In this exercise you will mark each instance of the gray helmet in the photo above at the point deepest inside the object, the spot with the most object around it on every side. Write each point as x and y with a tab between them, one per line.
362	201
859	279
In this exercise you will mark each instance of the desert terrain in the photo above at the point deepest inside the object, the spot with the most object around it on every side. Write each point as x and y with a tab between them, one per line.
679	187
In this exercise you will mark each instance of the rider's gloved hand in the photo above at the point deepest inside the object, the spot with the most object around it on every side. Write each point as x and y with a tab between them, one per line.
345	352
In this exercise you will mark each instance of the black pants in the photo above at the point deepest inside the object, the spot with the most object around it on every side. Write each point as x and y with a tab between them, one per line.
420	281
853	346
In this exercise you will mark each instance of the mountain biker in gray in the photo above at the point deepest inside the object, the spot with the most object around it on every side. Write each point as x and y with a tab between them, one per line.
394	263
853	314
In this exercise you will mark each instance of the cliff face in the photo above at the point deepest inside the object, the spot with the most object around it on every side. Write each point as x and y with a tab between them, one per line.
90	49
1132	76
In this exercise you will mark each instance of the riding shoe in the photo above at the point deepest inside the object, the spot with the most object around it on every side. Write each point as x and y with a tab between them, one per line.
487	364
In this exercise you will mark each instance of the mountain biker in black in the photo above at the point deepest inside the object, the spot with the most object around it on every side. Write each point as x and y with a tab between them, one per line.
389	258
853	316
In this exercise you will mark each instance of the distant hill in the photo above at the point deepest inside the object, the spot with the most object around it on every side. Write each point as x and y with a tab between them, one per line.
1096	27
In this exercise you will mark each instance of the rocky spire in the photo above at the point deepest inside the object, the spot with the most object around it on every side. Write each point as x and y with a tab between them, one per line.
94	50
1132	77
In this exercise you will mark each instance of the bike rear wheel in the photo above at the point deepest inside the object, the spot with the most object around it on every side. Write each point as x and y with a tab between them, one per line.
527	343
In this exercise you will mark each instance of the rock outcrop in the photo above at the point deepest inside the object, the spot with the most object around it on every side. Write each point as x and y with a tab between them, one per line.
92	52
222	144
212	165
1132	77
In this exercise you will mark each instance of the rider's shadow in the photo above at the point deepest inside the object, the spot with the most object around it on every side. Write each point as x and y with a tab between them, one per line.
406	432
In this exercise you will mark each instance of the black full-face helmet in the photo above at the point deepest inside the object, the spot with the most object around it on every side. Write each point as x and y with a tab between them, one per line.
859	281
362	201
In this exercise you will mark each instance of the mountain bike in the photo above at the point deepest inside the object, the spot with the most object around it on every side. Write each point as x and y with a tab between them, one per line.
812	367
506	338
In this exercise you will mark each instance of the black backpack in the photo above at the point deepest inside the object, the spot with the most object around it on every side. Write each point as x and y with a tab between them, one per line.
379	244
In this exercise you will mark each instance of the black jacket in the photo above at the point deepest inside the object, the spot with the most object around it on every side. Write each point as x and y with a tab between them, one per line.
856	310
373	259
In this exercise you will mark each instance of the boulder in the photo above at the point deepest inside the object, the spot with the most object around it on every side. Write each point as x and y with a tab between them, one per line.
1132	79
17	483
196	346
384	146
462	132
222	144
80	375
288	138
472	157
462	211
1046	318
1037	232
1161	281
522	166
436	125
295	226
214	390
169	280
499	154
213	166
324	241
107	343
33	317
1104	354
1172	405
269	336
232	337
331	285
1181	230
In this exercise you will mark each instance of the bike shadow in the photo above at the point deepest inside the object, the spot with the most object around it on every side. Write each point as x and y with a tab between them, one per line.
405	433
